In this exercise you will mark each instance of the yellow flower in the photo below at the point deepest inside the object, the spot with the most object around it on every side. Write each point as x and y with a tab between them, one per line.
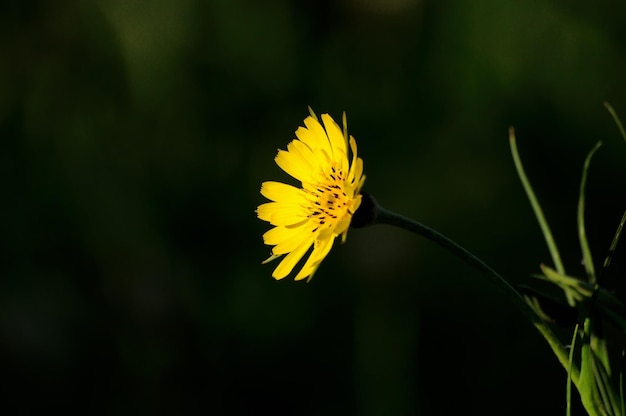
322	208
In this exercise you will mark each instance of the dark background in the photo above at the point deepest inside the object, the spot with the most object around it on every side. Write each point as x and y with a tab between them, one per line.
134	139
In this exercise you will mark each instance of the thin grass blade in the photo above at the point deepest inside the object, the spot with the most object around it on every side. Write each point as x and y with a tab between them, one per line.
609	256
616	119
534	202
568	394
587	387
582	234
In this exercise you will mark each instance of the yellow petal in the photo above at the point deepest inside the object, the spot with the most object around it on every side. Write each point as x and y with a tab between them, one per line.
293	165
277	213
308	138
360	184
302	153
280	234
342	225
355	203
318	137
357	168
319	253
281	192
353	172
286	239
288	263
335	135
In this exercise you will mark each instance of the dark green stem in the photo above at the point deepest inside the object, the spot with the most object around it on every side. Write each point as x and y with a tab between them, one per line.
379	215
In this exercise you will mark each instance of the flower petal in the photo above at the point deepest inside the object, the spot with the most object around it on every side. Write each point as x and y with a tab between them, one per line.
342	225
288	263
280	234
335	135
277	213
293	165
318	138
319	253
353	172
286	239
308	138
303	154
281	192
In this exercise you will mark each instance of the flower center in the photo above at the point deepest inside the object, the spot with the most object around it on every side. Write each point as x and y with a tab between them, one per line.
329	199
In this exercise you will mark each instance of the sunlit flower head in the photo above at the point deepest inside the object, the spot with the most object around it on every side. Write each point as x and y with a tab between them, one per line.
321	209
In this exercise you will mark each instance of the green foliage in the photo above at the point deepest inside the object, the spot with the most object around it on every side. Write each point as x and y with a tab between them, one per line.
534	202
568	391
599	392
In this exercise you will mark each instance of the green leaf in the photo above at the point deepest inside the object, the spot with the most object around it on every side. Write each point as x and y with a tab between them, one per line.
603	380
609	256
587	387
568	395
577	289
582	235
611	307
543	224
616	119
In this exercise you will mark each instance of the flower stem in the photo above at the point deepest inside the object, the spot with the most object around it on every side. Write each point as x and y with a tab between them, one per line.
383	216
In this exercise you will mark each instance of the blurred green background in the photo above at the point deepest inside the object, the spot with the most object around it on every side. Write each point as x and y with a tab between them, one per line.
134	139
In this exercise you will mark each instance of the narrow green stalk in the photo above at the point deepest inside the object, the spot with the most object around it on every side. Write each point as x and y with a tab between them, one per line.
383	216
568	389
582	234
541	219
616	119
609	256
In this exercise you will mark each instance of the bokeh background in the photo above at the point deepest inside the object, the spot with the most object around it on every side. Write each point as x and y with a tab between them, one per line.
134	136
